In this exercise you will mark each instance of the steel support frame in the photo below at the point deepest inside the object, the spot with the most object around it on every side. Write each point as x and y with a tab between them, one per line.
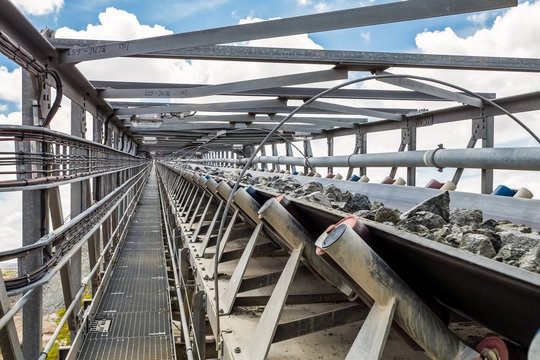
34	214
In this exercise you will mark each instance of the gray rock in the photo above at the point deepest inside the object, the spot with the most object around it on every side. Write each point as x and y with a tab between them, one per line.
337	204
489	224
376	205
439	205
413	225
356	202
463	217
440	234
493	237
515	245
506	225
454	239
317	197
335	194
425	218
384	214
477	244
284	184
531	260
309	188
366	214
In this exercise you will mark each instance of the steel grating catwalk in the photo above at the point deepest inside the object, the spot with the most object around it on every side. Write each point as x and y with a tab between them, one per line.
133	319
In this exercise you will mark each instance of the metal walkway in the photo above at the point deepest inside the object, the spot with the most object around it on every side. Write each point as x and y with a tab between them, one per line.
133	320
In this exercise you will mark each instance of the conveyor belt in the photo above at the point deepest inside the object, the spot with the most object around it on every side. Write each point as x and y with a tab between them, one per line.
498	296
135	311
489	292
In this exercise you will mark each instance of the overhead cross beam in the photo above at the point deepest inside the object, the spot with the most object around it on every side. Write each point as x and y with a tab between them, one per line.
233	87
431	90
351	60
177	108
354	110
358	17
291	93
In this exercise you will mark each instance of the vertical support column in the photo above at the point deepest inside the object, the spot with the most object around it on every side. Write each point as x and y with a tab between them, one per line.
409	136
360	147
263	153
307	153
330	145
33	209
275	167
488	142
71	273
289	152
94	247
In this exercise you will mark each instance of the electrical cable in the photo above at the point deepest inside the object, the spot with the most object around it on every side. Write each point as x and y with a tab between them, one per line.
58	99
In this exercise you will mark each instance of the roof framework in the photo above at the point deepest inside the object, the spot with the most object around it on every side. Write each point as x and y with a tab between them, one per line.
188	117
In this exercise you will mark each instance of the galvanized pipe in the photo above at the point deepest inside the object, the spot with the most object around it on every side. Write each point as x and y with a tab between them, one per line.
15	308
527	158
375	277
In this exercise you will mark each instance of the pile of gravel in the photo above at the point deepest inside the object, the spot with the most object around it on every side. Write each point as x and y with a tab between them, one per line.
500	240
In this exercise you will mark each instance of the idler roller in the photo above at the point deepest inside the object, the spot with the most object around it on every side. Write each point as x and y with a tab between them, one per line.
349	250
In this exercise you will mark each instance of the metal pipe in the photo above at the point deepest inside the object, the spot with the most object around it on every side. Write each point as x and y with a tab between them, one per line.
185	328
365	267
527	158
15	308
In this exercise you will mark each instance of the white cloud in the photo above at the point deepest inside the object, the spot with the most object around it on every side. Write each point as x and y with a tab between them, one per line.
479	18
13	118
303	2
10	81
10	221
322	7
3	107
39	7
114	24
366	36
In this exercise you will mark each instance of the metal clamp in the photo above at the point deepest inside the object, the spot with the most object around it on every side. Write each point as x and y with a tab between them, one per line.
429	158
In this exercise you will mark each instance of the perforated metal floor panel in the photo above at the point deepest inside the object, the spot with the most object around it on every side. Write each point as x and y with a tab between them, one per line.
133	319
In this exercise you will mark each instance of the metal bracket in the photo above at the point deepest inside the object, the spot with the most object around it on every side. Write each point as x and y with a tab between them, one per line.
479	128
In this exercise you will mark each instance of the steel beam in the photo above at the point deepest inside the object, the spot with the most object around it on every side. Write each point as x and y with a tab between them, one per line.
352	60
213	107
33	228
233	87
233	286
355	111
318	322
266	327
291	93
358	17
431	90
370	341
